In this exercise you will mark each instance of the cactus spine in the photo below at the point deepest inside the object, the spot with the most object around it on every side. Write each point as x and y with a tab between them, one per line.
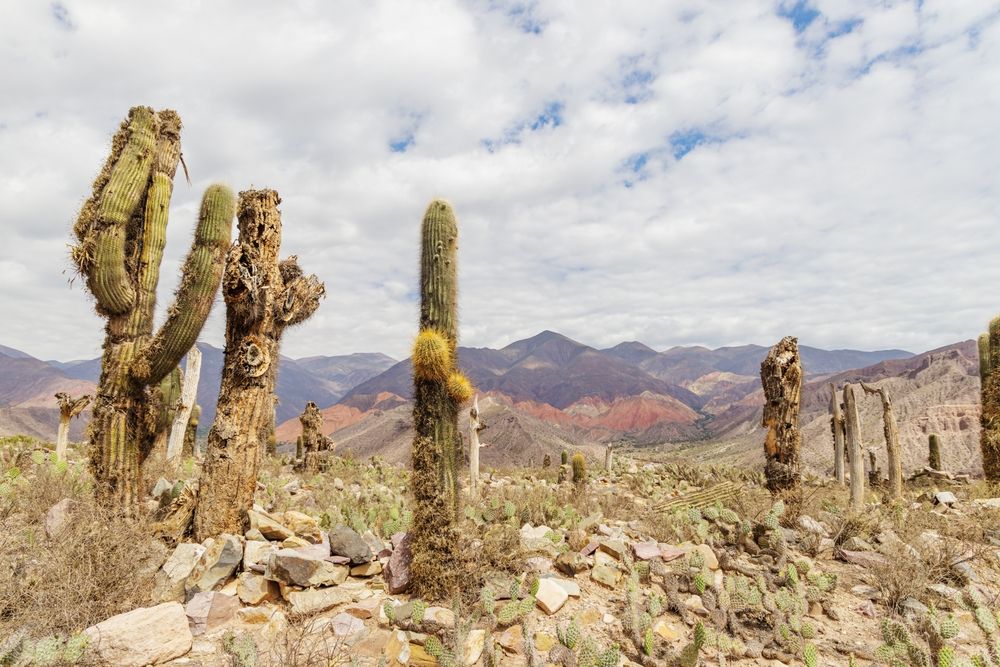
852	436
263	297
68	408
781	377
121	232
437	446
934	451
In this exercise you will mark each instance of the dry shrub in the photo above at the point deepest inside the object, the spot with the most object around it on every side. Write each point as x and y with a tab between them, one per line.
908	569
306	641
99	565
853	524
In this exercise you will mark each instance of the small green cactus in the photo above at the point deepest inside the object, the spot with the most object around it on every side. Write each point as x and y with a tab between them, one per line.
433	646
564	457
579	469
389	609
419	608
809	655
488	600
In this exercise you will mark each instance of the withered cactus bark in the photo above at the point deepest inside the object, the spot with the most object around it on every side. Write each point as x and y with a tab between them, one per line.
263	297
191	433
315	445
68	408
439	391
934	451
781	377
989	434
476	424
189	392
837	426
852	437
121	232
891	430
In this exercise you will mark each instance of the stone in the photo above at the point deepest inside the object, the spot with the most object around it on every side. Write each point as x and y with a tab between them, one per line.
811	525
855	543
338	483
338	560
511	640
209	610
550	596
475	643
145	636
254	535
169	582
367	569
590	548
318	599
544	641
606	575
364	609
255	555
344	541
590	616
346	625
269	527
946	498
162	486
294	567
440	615
571	563
571	587
589	522
538	564
255	615
253	588
988	503
669	552
57	519
614	548
604	558
862	558
529	532
216	564
294	542
577	539
646	550
397	570
667	631
303	526
914	606
865	591
695	605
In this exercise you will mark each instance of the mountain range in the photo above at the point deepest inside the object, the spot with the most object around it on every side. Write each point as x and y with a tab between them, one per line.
548	393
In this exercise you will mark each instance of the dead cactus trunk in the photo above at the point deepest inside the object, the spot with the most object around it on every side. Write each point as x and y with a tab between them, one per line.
315	446
837	426
781	377
263	297
852	435
891	430
68	408
189	393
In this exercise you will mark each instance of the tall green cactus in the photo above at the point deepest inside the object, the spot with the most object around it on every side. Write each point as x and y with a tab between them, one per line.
121	233
989	435
439	391
934	451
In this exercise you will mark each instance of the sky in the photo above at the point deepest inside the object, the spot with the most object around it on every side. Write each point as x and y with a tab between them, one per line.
703	172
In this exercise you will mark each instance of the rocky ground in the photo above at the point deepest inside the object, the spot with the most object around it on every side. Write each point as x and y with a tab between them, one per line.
652	564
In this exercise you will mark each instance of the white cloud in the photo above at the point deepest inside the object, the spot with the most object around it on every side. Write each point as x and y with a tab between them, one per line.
839	182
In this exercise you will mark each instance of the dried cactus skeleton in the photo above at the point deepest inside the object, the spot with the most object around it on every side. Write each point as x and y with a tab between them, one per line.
263	297
781	377
121	232
852	436
68	408
837	426
891	429
316	446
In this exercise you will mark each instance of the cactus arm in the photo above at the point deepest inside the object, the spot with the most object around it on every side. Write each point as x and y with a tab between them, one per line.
200	279
438	271
105	217
301	294
154	228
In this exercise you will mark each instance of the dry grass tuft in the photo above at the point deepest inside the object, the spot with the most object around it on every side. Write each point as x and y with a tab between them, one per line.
99	565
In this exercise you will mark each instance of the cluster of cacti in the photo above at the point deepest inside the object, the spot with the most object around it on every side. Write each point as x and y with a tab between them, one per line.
121	232
899	647
439	390
263	298
17	650
706	524
989	435
988	621
781	378
575	649
934	451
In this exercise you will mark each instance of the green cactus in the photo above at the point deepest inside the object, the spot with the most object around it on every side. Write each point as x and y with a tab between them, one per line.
433	646
946	656
437	447
488	600
989	435
120	233
699	583
419	609
809	655
572	635
564	457
389	609
610	657
579	469
648	642
934	451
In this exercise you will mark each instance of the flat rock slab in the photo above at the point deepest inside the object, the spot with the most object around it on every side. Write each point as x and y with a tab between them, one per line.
145	636
318	599
550	596
218	562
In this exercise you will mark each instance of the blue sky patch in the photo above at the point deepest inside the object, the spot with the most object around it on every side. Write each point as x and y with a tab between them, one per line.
552	116
400	145
61	15
636	80
800	14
